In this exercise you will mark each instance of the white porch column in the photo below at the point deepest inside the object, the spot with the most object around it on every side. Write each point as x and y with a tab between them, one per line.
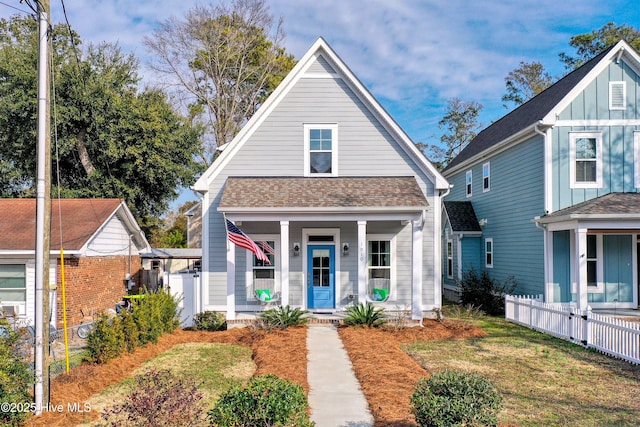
416	282
362	261
231	281
580	258
284	262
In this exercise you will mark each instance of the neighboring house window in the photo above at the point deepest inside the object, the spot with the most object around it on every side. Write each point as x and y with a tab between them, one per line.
260	274
486	177
488	252
617	95
469	183
13	283
636	145
595	271
586	159
321	150
450	259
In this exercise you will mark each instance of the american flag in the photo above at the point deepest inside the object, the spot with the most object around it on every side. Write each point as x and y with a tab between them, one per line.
266	247
237	237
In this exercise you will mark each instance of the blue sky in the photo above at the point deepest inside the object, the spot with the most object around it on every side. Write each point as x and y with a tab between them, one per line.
412	55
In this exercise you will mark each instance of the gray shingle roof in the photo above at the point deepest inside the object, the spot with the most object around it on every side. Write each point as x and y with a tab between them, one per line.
461	216
289	192
612	204
526	114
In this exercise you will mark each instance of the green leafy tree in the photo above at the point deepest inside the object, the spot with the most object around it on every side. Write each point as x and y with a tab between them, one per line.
114	139
525	82
589	45
224	60
460	125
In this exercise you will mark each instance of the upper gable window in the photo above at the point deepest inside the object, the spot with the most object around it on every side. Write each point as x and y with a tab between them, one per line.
617	95
486	177
585	164
469	183
321	150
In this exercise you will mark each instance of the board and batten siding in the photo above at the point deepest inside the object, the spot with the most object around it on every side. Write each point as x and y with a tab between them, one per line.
276	148
618	164
515	198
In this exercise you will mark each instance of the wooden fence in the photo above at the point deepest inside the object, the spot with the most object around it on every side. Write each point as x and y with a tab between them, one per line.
609	335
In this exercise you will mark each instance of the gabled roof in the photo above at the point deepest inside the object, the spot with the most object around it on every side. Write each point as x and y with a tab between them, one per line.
543	108
79	219
612	206
462	217
320	47
322	194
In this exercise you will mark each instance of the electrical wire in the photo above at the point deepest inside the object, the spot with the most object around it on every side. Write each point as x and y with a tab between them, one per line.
13	7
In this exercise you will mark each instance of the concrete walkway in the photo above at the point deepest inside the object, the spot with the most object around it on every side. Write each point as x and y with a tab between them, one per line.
335	396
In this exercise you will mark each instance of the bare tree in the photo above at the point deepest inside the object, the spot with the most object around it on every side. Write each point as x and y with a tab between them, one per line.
525	82
223	61
460	125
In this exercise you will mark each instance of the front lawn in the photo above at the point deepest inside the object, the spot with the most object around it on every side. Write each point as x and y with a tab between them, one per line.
544	381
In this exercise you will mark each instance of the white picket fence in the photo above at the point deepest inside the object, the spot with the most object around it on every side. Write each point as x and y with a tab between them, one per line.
609	335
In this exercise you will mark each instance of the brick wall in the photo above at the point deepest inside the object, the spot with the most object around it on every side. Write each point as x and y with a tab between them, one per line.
93	284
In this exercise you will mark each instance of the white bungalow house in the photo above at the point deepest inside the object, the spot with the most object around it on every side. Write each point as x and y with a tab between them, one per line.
340	192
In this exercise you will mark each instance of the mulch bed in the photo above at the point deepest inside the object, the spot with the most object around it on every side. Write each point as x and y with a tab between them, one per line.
282	353
388	376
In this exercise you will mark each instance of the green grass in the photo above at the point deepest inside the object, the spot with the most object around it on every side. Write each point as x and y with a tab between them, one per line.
544	381
217	366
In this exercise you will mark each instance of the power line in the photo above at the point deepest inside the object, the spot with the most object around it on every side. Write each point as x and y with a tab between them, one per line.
13	7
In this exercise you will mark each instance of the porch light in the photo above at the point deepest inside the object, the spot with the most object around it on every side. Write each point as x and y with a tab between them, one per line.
296	249
345	249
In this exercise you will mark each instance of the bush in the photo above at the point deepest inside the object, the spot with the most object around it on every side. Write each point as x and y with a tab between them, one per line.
209	321
155	315
159	398
130	331
283	317
106	340
364	315
15	378
451	398
484	292
265	401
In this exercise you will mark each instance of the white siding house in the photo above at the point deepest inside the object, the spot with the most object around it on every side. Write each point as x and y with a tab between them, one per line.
324	175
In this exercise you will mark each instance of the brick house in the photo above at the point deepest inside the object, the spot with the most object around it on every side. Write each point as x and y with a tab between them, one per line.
102	243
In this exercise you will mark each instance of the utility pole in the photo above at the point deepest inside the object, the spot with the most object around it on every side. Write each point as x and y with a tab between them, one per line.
43	214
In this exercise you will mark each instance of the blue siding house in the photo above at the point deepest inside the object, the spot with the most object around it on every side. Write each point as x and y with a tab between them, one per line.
554	186
345	200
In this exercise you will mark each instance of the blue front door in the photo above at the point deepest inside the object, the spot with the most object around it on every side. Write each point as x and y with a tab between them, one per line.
321	271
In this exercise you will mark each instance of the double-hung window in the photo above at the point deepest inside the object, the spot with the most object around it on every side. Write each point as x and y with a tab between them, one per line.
486	177
585	164
595	271
262	275
13	283
321	150
450	259
488	252
469	183
380	264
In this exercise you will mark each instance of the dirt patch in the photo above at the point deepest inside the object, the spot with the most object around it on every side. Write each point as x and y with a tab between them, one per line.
387	375
282	353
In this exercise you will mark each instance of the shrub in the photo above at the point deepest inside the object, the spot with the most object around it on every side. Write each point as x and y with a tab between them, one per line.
106	340
159	398
154	315
365	315
130	331
484	292
266	401
452	398
15	378
209	321
283	317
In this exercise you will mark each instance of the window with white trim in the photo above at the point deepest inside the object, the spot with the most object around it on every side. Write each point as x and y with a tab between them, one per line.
617	95
381	264
486	177
13	283
488	252
261	275
595	272
585	164
321	150
469	183
450	259
636	157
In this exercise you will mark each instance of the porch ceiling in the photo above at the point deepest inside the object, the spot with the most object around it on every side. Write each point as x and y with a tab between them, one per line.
322	194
